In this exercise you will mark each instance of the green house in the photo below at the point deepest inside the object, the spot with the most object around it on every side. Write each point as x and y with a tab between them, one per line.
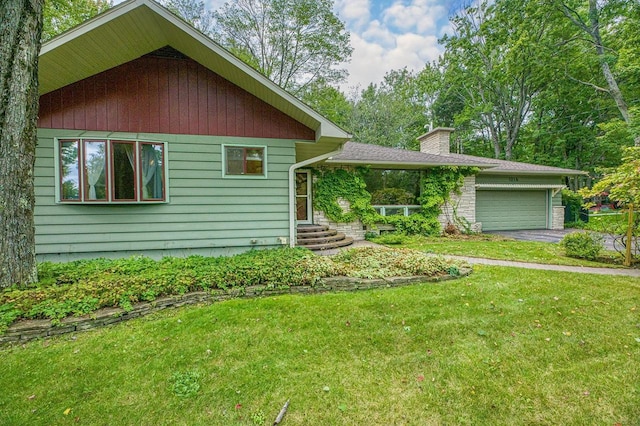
154	140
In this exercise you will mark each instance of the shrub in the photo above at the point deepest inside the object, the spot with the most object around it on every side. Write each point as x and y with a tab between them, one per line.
583	245
416	224
81	287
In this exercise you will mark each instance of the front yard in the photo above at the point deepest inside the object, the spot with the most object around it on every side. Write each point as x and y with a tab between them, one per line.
502	346
497	247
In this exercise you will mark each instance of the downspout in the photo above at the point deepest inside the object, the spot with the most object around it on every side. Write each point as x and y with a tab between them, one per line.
292	190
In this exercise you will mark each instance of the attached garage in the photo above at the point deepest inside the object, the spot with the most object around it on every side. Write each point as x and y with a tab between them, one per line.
502	210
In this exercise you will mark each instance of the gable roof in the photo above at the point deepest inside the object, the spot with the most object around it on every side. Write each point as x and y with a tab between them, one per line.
137	27
378	156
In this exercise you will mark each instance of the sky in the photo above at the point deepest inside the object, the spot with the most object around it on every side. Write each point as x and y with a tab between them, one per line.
388	34
392	34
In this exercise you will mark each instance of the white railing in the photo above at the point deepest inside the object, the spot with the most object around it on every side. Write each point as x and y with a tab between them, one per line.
391	210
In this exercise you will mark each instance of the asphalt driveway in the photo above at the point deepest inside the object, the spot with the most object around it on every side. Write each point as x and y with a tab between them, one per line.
546	236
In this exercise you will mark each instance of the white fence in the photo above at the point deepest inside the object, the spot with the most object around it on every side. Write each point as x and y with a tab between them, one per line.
391	210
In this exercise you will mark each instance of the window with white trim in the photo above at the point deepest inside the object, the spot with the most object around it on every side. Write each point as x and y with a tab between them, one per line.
249	161
106	170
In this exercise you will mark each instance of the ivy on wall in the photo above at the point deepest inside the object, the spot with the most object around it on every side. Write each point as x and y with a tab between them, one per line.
437	185
334	184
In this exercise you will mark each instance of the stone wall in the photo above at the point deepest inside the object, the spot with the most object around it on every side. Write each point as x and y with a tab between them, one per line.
464	205
557	220
24	331
355	230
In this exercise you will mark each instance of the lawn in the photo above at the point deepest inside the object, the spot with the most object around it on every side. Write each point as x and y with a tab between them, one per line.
496	247
503	346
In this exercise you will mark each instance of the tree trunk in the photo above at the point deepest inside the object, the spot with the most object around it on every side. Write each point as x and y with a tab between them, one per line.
20	32
592	28
614	90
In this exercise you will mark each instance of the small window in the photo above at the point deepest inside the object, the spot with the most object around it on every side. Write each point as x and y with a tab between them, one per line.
99	171
245	161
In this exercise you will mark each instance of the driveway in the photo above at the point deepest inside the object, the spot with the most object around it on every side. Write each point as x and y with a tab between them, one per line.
546	236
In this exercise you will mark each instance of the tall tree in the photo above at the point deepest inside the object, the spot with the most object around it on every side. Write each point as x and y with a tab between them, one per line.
391	113
60	15
591	25
489	67
293	42
20	35
192	11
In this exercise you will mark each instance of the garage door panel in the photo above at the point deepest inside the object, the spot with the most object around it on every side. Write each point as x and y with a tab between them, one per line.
511	210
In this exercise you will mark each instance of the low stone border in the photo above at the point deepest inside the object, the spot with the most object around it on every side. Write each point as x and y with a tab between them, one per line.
24	331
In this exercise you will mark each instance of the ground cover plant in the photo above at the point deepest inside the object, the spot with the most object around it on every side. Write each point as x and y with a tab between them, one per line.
81	287
497	247
503	346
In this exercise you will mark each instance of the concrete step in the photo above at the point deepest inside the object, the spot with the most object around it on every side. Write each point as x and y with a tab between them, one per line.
328	246
321	239
306	229
317	234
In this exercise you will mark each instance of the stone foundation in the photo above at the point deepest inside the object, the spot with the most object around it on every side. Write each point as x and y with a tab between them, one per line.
355	230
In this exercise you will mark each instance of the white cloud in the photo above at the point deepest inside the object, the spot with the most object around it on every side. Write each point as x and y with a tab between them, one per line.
371	60
419	15
356	13
379	34
406	35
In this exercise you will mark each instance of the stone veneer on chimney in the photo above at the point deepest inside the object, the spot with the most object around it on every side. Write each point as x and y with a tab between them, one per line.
436	141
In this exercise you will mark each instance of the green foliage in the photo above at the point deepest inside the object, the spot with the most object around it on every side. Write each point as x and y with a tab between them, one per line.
616	226
81	287
390	238
437	185
623	182
374	262
415	224
391	113
392	196
295	43
185	384
60	15
582	245
335	184
8	314
573	203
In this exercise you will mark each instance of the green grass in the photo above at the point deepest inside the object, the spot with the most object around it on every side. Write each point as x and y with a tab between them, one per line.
492	247
503	346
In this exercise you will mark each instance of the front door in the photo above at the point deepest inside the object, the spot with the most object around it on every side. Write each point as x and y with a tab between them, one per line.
304	211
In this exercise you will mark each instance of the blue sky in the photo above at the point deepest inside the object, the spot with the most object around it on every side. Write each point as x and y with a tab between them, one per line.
392	34
389	34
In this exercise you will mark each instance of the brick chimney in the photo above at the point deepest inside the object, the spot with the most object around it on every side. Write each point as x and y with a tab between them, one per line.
436	141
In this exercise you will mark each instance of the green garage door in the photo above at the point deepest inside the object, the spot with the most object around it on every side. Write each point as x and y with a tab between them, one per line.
511	210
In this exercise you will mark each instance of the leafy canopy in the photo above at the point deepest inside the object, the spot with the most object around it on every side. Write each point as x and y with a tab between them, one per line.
60	15
295	43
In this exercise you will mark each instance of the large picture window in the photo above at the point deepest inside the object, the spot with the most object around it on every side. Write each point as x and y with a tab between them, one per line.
245	161
102	171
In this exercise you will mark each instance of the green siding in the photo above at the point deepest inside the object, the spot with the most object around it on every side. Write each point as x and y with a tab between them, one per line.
206	213
511	210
